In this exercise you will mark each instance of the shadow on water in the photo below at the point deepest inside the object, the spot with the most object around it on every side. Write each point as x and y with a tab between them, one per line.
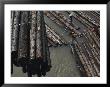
38	67
30	66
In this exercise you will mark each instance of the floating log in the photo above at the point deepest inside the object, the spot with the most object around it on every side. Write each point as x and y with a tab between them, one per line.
45	66
93	49
61	40
88	18
82	61
38	37
51	42
93	16
63	20
23	53
87	59
12	22
86	23
15	21
95	31
33	35
53	38
50	16
96	13
95	25
15	30
39	62
34	63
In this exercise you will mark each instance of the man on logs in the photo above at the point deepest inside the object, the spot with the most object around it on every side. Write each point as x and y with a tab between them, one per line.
71	16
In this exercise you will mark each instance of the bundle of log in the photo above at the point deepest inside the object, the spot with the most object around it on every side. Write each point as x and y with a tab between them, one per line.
52	17
88	49
89	56
65	21
54	36
88	18
88	61
29	43
86	22
31	38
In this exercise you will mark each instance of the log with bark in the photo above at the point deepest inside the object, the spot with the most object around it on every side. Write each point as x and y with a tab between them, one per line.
15	21
88	62
55	35
29	43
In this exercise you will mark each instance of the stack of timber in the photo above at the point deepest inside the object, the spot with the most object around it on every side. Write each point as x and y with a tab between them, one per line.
29	43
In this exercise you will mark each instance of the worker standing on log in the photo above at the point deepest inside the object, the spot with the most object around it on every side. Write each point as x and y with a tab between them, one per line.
71	16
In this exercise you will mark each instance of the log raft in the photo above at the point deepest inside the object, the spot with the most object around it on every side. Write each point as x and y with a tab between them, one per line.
29	41
51	34
31	37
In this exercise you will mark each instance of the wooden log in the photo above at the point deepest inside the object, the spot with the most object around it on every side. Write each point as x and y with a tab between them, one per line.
88	18
53	38
23	35
89	62
62	19
94	38
51	42
46	63
50	16
48	54
93	35
86	23
93	65
23	53
12	24
97	13
80	20
93	16
33	35
34	62
96	56
82	61
60	39
38	37
15	36
15	30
